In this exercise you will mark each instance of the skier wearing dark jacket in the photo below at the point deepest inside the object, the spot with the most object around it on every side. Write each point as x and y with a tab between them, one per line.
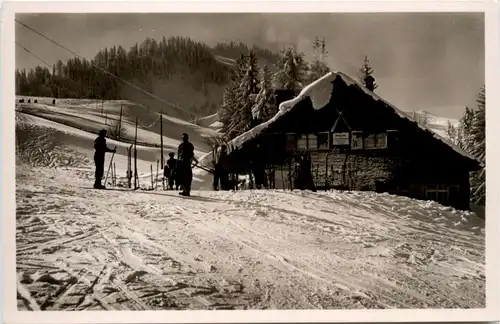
100	151
185	156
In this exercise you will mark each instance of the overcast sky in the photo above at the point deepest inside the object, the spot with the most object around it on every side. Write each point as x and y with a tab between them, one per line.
422	61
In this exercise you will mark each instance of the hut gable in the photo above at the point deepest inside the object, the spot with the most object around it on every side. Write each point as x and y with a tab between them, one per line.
337	106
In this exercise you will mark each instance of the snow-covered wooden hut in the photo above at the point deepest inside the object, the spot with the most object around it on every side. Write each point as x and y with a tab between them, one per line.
357	141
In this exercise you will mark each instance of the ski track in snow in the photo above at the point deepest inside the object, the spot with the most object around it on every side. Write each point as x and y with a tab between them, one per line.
82	249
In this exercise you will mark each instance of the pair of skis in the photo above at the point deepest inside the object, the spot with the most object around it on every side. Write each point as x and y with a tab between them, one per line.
110	164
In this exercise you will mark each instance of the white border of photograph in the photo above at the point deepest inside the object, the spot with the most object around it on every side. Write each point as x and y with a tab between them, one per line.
490	313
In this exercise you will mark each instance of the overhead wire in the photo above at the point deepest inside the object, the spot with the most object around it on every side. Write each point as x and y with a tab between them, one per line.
43	61
105	71
150	125
40	59
30	52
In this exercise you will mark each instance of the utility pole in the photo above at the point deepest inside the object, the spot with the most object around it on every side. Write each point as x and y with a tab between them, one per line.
120	122
161	140
129	166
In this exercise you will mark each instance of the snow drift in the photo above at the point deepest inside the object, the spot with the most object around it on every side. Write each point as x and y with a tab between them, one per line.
80	249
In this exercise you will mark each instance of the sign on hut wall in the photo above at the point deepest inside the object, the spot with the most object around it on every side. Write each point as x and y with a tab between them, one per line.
340	139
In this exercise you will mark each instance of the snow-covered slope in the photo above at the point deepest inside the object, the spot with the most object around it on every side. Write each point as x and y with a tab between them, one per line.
225	60
80	249
210	121
435	123
52	136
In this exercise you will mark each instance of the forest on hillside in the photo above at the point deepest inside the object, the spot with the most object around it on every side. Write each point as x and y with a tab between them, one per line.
159	67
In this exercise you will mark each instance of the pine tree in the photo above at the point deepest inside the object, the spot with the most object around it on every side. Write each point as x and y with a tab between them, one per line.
455	134
366	73
466	128
264	108
231	106
318	66
478	135
291	70
247	92
226	112
323	51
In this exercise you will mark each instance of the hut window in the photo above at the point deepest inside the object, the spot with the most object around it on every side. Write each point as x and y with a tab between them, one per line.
339	139
437	192
291	141
324	141
302	142
357	140
381	140
369	142
312	142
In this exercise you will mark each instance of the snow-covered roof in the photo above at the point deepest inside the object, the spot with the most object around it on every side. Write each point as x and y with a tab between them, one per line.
319	92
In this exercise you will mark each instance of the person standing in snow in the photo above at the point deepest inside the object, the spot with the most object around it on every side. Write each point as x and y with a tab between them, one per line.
166	176
303	179
271	177
258	168
306	169
100	151
185	156
171	172
221	175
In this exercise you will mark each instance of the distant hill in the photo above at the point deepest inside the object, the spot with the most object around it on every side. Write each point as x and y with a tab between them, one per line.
435	123
189	75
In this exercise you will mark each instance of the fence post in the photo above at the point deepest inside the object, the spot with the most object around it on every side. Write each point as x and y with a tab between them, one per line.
114	174
157	169
152	183
282	177
136	177
317	171
129	166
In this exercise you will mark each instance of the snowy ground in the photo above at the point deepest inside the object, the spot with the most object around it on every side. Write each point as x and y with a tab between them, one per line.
84	249
81	249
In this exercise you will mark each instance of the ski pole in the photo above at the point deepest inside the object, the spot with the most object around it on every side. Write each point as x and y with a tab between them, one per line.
114	174
204	169
110	163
